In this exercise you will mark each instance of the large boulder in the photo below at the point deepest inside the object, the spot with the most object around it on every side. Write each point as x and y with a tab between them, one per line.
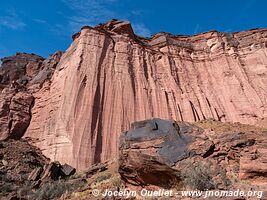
150	149
166	153
67	170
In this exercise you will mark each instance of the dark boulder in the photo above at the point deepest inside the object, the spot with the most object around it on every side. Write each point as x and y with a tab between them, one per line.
150	149
67	170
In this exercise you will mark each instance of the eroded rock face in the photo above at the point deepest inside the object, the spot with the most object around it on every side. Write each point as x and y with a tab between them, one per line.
20	77
165	153
78	103
15	113
108	79
15	100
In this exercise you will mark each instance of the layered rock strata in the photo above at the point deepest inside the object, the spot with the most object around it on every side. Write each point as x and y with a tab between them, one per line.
110	77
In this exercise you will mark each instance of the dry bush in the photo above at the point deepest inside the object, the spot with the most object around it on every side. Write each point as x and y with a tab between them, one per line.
198	176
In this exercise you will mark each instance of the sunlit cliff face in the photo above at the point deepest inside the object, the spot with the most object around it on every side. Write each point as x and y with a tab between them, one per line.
110	77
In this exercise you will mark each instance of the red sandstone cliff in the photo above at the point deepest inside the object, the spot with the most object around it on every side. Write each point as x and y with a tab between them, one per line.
109	78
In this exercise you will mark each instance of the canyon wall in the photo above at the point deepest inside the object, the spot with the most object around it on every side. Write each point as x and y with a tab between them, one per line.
109	78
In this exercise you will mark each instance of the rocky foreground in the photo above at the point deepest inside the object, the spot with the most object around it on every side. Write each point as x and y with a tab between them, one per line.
154	155
75	104
25	173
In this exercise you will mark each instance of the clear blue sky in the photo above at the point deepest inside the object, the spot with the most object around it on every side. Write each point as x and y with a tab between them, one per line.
45	26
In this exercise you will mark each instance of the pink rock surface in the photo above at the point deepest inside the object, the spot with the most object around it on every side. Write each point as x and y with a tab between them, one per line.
108	79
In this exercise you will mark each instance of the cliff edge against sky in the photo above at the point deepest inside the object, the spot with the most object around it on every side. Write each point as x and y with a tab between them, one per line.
77	103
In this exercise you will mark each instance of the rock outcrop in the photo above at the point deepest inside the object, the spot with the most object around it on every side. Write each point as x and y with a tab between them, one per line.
168	154
20	77
110	77
151	147
25	173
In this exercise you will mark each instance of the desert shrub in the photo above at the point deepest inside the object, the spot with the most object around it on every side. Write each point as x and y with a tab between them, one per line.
56	189
25	190
116	182
198	176
103	177
51	190
7	188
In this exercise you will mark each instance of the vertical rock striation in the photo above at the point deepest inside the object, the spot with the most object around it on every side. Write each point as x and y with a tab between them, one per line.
109	78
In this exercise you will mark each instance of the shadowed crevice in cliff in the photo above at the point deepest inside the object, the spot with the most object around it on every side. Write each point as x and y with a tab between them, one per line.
132	77
97	95
98	102
80	96
210	108
30	116
99	138
217	114
180	112
194	111
81	59
95	117
145	68
168	103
